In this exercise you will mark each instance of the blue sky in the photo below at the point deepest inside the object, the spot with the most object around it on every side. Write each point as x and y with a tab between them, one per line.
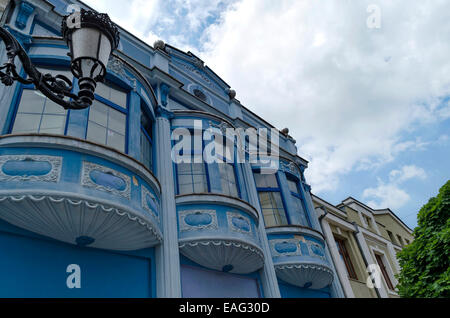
369	107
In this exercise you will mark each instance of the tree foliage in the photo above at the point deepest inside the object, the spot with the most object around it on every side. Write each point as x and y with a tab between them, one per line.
425	263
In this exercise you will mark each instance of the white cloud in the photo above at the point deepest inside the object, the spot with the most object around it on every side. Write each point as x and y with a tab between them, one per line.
406	173
390	194
386	195
346	92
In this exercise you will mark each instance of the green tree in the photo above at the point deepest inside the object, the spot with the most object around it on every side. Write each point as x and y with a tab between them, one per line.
425	263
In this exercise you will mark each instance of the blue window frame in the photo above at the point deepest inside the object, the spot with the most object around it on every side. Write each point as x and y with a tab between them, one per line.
270	199
227	170
107	121
146	140
299	202
35	113
192	177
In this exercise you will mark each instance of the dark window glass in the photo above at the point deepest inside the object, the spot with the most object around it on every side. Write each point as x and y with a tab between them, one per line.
384	272
299	204
199	94
146	141
346	258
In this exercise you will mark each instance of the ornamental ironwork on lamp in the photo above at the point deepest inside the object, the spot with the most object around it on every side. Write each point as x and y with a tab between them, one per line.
91	38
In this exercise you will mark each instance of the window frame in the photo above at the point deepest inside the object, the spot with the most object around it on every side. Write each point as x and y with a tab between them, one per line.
345	256
116	107
299	195
205	165
270	189
384	271
145	112
17	96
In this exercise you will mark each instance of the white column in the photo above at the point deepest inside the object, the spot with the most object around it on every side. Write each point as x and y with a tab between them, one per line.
340	266
393	256
268	276
368	256
168	265
337	290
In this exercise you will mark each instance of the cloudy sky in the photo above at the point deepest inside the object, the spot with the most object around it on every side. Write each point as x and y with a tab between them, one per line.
367	99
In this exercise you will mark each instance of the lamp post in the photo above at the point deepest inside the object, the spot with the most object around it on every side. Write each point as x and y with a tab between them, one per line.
91	38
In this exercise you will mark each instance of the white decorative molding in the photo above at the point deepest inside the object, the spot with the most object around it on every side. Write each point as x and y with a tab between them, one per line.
144	193
67	218
275	253
87	181
185	227
52	176
318	276
116	66
218	253
234	228
320	247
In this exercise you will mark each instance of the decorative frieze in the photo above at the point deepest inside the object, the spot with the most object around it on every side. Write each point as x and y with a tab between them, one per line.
105	179
194	220
31	168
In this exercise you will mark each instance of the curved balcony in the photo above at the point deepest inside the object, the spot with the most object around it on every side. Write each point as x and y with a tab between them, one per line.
299	256
78	192
219	232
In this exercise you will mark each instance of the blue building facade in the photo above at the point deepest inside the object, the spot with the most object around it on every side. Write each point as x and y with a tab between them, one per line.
92	204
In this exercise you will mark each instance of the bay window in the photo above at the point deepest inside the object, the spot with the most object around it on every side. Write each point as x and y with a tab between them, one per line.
299	203
36	113
270	199
108	117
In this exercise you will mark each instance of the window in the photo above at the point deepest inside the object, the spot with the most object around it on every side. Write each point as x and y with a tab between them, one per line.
368	221
299	204
400	241
270	199
228	179
106	126
112	93
146	141
38	114
346	258
108	117
384	271
192	178
391	236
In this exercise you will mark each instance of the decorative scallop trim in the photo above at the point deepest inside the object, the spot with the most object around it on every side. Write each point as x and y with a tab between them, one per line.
77	203
226	243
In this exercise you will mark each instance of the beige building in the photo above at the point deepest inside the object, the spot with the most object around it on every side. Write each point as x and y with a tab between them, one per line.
363	240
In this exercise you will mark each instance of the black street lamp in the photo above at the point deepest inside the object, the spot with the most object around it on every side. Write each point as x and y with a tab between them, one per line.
91	38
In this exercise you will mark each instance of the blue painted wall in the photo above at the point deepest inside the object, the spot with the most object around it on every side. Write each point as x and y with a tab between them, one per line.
290	291
36	267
